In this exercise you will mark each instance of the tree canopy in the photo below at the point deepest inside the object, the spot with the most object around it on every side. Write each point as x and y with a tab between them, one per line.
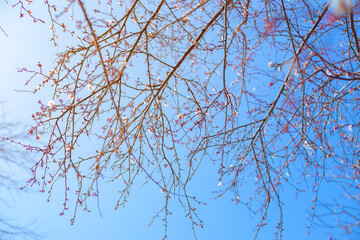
264	90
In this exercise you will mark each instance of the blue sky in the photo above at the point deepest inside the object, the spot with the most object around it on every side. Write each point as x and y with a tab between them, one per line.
28	43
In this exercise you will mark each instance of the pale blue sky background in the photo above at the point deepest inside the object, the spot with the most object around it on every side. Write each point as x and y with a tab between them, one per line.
26	44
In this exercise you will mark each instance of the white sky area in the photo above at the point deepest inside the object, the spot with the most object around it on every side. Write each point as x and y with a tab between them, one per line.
341	6
27	43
